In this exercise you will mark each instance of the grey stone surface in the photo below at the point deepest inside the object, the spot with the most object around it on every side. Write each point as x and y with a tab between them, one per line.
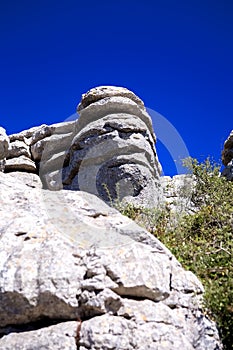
25	135
19	156
56	337
22	178
49	146
4	146
112	154
44	149
228	171
45	144
66	256
227	157
18	148
227	152
51	139
113	105
177	192
142	327
4	143
101	92
21	163
108	151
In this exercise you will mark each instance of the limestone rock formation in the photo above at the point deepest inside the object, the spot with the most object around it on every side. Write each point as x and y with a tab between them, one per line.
227	157
19	157
49	148
76	274
4	145
113	153
108	151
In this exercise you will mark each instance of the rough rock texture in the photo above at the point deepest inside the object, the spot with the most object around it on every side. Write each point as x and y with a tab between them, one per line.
19	156
108	151
98	93
113	153
4	145
56	337
49	148
27	148
177	192
76	274
227	157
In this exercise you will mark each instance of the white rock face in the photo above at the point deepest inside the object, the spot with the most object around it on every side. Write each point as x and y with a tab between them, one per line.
75	273
4	146
18	148
57	337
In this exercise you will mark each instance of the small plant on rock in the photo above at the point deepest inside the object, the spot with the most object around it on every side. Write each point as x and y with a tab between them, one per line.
201	241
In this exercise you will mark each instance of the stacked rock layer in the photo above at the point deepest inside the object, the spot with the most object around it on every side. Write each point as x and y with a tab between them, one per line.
112	154
108	151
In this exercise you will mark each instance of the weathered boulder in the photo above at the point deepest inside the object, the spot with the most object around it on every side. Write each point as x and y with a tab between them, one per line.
4	146
108	151
23	178
51	139
18	148
25	135
76	274
21	163
40	144
19	157
227	157
112	154
55	337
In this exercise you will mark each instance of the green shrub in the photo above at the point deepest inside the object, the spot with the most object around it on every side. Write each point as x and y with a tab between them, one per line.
205	239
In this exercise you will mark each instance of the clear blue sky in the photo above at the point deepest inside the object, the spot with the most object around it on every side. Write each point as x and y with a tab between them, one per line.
177	55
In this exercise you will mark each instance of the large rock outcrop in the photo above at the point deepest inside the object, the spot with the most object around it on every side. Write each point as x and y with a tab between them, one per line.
227	157
108	151
76	274
113	153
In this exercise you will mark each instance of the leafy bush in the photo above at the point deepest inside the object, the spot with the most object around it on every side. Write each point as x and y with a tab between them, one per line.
205	239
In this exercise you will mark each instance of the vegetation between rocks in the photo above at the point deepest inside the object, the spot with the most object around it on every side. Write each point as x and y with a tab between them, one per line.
201	240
